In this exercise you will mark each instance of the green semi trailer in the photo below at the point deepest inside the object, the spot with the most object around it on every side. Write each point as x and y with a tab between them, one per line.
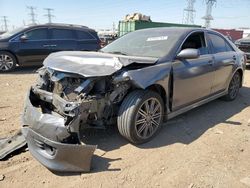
129	26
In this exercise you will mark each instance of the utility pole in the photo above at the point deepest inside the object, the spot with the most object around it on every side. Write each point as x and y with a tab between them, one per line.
32	14
188	13
49	15
208	17
113	29
5	22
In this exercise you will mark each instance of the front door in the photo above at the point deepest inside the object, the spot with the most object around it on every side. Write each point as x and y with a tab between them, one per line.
192	78
33	49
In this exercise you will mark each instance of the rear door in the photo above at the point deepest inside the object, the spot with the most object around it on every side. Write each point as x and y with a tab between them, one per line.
33	49
192	78
87	41
225	59
62	40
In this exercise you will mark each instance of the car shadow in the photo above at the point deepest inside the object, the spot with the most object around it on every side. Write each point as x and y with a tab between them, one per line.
183	129
23	70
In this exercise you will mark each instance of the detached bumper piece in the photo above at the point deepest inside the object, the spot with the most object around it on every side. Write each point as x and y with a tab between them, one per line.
50	142
59	156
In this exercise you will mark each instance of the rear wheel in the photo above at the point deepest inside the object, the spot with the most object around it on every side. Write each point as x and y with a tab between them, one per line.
7	62
140	116
234	87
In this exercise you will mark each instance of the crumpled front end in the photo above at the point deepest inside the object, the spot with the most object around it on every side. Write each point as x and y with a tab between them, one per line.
58	110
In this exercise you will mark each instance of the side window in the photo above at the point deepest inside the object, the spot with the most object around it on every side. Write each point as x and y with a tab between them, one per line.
37	34
62	34
219	44
83	35
197	41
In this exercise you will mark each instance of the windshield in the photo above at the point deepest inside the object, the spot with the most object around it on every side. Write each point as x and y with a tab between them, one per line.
149	43
12	32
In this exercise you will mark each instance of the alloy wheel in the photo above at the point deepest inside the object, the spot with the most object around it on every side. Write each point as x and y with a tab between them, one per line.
148	118
6	62
234	86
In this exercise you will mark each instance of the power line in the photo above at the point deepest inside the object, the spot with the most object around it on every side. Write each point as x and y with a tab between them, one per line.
188	13
49	15
5	23
32	14
208	17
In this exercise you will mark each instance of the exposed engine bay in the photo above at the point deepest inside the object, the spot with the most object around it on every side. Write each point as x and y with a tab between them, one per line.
91	102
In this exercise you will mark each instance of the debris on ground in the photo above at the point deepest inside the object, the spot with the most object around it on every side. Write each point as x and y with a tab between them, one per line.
2	177
2	119
191	185
217	131
100	152
11	144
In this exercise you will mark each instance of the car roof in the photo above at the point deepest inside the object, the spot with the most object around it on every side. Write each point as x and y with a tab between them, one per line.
178	30
60	25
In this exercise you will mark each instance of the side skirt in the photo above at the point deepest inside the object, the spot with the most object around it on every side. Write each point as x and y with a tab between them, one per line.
197	104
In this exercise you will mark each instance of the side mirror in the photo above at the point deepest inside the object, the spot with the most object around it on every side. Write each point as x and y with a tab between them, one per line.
23	38
189	53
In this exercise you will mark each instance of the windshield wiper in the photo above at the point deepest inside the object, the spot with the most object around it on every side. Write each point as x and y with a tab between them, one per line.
118	52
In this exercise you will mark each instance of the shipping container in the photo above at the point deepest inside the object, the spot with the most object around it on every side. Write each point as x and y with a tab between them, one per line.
129	26
231	33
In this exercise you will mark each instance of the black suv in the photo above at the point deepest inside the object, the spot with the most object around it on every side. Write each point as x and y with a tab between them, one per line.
30	45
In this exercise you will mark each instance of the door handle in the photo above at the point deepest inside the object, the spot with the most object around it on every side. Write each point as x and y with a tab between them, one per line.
49	45
210	62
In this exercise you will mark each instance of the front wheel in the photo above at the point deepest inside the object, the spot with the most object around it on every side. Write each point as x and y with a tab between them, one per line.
234	87
140	116
7	62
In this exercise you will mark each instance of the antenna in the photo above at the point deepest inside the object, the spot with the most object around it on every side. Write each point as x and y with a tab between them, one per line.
32	14
208	17
49	15
5	21
188	13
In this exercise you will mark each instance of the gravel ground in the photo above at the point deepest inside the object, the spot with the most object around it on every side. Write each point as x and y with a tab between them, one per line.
206	147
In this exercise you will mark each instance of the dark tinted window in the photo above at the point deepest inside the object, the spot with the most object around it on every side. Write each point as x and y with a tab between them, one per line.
62	34
82	35
37	34
219	44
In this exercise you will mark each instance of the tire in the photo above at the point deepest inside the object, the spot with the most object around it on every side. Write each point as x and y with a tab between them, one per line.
7	61
233	88
135	121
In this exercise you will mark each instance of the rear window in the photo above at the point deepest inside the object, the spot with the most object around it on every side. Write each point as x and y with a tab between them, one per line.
219	44
62	34
84	35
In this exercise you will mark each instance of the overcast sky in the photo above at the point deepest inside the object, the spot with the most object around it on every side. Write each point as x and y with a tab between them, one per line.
100	14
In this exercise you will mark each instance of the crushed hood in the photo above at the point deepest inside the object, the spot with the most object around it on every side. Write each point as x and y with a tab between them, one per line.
90	64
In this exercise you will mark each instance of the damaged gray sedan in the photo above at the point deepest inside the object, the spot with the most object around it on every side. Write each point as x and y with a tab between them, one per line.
135	83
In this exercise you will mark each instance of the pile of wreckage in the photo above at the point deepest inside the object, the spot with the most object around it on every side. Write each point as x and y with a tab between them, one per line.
137	16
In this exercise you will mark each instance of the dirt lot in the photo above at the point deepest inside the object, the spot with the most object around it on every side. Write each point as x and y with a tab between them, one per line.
206	147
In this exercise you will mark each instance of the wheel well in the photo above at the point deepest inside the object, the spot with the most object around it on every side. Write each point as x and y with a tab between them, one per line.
17	62
160	90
